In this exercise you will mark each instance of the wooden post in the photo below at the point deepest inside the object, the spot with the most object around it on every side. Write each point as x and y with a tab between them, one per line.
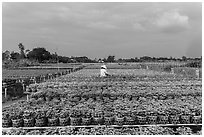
172	70
5	92
197	73
35	80
23	87
184	73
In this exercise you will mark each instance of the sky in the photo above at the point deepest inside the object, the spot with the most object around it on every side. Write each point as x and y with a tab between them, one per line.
100	29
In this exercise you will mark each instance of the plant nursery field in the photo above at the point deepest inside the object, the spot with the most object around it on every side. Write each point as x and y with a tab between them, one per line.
129	102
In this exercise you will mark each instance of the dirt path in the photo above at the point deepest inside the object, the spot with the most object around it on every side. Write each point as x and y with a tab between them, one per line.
14	101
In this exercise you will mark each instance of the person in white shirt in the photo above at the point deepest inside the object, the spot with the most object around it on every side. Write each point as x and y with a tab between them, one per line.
103	71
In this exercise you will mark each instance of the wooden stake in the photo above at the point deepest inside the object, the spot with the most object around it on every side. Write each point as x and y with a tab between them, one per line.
172	70
197	73
5	92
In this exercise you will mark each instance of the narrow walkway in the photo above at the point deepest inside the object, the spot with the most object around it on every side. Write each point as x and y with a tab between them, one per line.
14	101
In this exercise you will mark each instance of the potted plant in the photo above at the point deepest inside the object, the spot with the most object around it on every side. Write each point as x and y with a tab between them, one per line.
119	117
28	118
17	118
174	115
75	117
6	120
185	117
98	116
40	118
86	117
141	117
197	118
64	118
108	117
152	117
163	116
52	116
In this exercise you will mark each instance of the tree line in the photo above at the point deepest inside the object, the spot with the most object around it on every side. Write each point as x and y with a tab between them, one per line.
41	55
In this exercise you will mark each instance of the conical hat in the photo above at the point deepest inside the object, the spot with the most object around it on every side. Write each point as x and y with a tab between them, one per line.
104	66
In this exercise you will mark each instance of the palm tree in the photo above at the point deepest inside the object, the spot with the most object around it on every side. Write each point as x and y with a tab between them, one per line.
22	48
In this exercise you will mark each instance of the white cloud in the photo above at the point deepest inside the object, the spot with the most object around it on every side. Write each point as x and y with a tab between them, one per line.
138	26
172	19
101	25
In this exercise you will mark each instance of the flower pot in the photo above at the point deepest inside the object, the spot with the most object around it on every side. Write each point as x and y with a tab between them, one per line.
185	119
64	121
163	119
152	119
29	122
141	120
129	120
174	119
17	122
40	122
75	121
53	121
197	119
86	121
108	120
98	120
6	123
119	120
